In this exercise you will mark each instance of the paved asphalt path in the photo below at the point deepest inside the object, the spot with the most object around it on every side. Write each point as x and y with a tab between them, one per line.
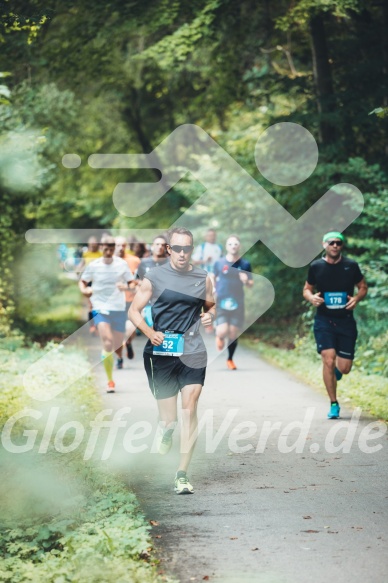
273	516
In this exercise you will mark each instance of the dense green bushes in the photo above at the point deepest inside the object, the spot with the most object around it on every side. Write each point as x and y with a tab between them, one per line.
100	537
48	303
63	519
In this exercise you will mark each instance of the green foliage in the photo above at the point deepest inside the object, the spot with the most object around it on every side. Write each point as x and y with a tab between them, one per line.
368	391
25	169
381	112
367	243
48	302
14	362
12	340
101	541
371	358
6	302
103	77
64	518
301	11
176	48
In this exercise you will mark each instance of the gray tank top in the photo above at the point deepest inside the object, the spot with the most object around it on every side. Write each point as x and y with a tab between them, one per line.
176	304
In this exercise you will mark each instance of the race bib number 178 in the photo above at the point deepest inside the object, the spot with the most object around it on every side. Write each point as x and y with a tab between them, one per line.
335	300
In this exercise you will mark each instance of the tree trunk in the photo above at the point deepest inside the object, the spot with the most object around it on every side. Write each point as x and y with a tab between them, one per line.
384	51
322	78
133	116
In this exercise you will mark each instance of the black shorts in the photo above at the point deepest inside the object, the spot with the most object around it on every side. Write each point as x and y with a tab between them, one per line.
231	317
167	375
337	333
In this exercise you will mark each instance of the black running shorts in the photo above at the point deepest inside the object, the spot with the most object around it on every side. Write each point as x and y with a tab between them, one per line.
337	333
167	375
231	317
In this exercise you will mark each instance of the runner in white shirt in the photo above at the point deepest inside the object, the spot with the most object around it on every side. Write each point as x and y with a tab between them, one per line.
207	253
109	277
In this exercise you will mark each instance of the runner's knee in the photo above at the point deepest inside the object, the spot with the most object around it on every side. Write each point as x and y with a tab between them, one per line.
346	367
329	360
190	400
108	344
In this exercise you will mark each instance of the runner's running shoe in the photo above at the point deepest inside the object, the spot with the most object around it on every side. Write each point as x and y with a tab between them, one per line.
120	362
230	364
334	412
111	387
338	374
220	343
130	352
182	484
165	442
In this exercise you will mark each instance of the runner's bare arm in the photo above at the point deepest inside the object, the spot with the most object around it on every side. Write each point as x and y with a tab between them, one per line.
244	278
123	286
141	299
209	314
362	291
213	280
85	289
80	267
310	296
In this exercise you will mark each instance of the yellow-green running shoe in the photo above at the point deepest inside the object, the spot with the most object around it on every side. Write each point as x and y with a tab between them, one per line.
165	441
182	484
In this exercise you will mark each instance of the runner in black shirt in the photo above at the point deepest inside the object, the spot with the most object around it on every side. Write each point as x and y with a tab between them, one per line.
158	257
175	356
335	330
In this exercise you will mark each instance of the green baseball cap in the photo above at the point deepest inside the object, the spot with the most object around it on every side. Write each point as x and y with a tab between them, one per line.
333	235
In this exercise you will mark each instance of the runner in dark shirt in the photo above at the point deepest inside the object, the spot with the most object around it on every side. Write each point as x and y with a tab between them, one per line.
158	257
231	274
334	278
175	356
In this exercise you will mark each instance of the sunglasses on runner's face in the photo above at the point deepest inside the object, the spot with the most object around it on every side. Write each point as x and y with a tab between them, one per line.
338	243
184	248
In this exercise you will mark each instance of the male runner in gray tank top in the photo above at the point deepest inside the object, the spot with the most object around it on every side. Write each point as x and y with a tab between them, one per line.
175	357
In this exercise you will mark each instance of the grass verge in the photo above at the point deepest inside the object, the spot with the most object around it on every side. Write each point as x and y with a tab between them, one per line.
58	317
63	519
358	389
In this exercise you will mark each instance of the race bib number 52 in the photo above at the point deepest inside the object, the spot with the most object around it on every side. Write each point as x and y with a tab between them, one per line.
172	345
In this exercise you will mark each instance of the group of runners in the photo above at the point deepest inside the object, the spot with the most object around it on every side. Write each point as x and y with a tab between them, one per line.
180	290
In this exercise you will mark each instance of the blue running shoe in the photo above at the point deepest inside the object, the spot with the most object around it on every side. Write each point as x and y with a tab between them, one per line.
334	412
338	374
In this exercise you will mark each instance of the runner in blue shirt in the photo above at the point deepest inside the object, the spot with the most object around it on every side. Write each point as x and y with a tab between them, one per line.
231	274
